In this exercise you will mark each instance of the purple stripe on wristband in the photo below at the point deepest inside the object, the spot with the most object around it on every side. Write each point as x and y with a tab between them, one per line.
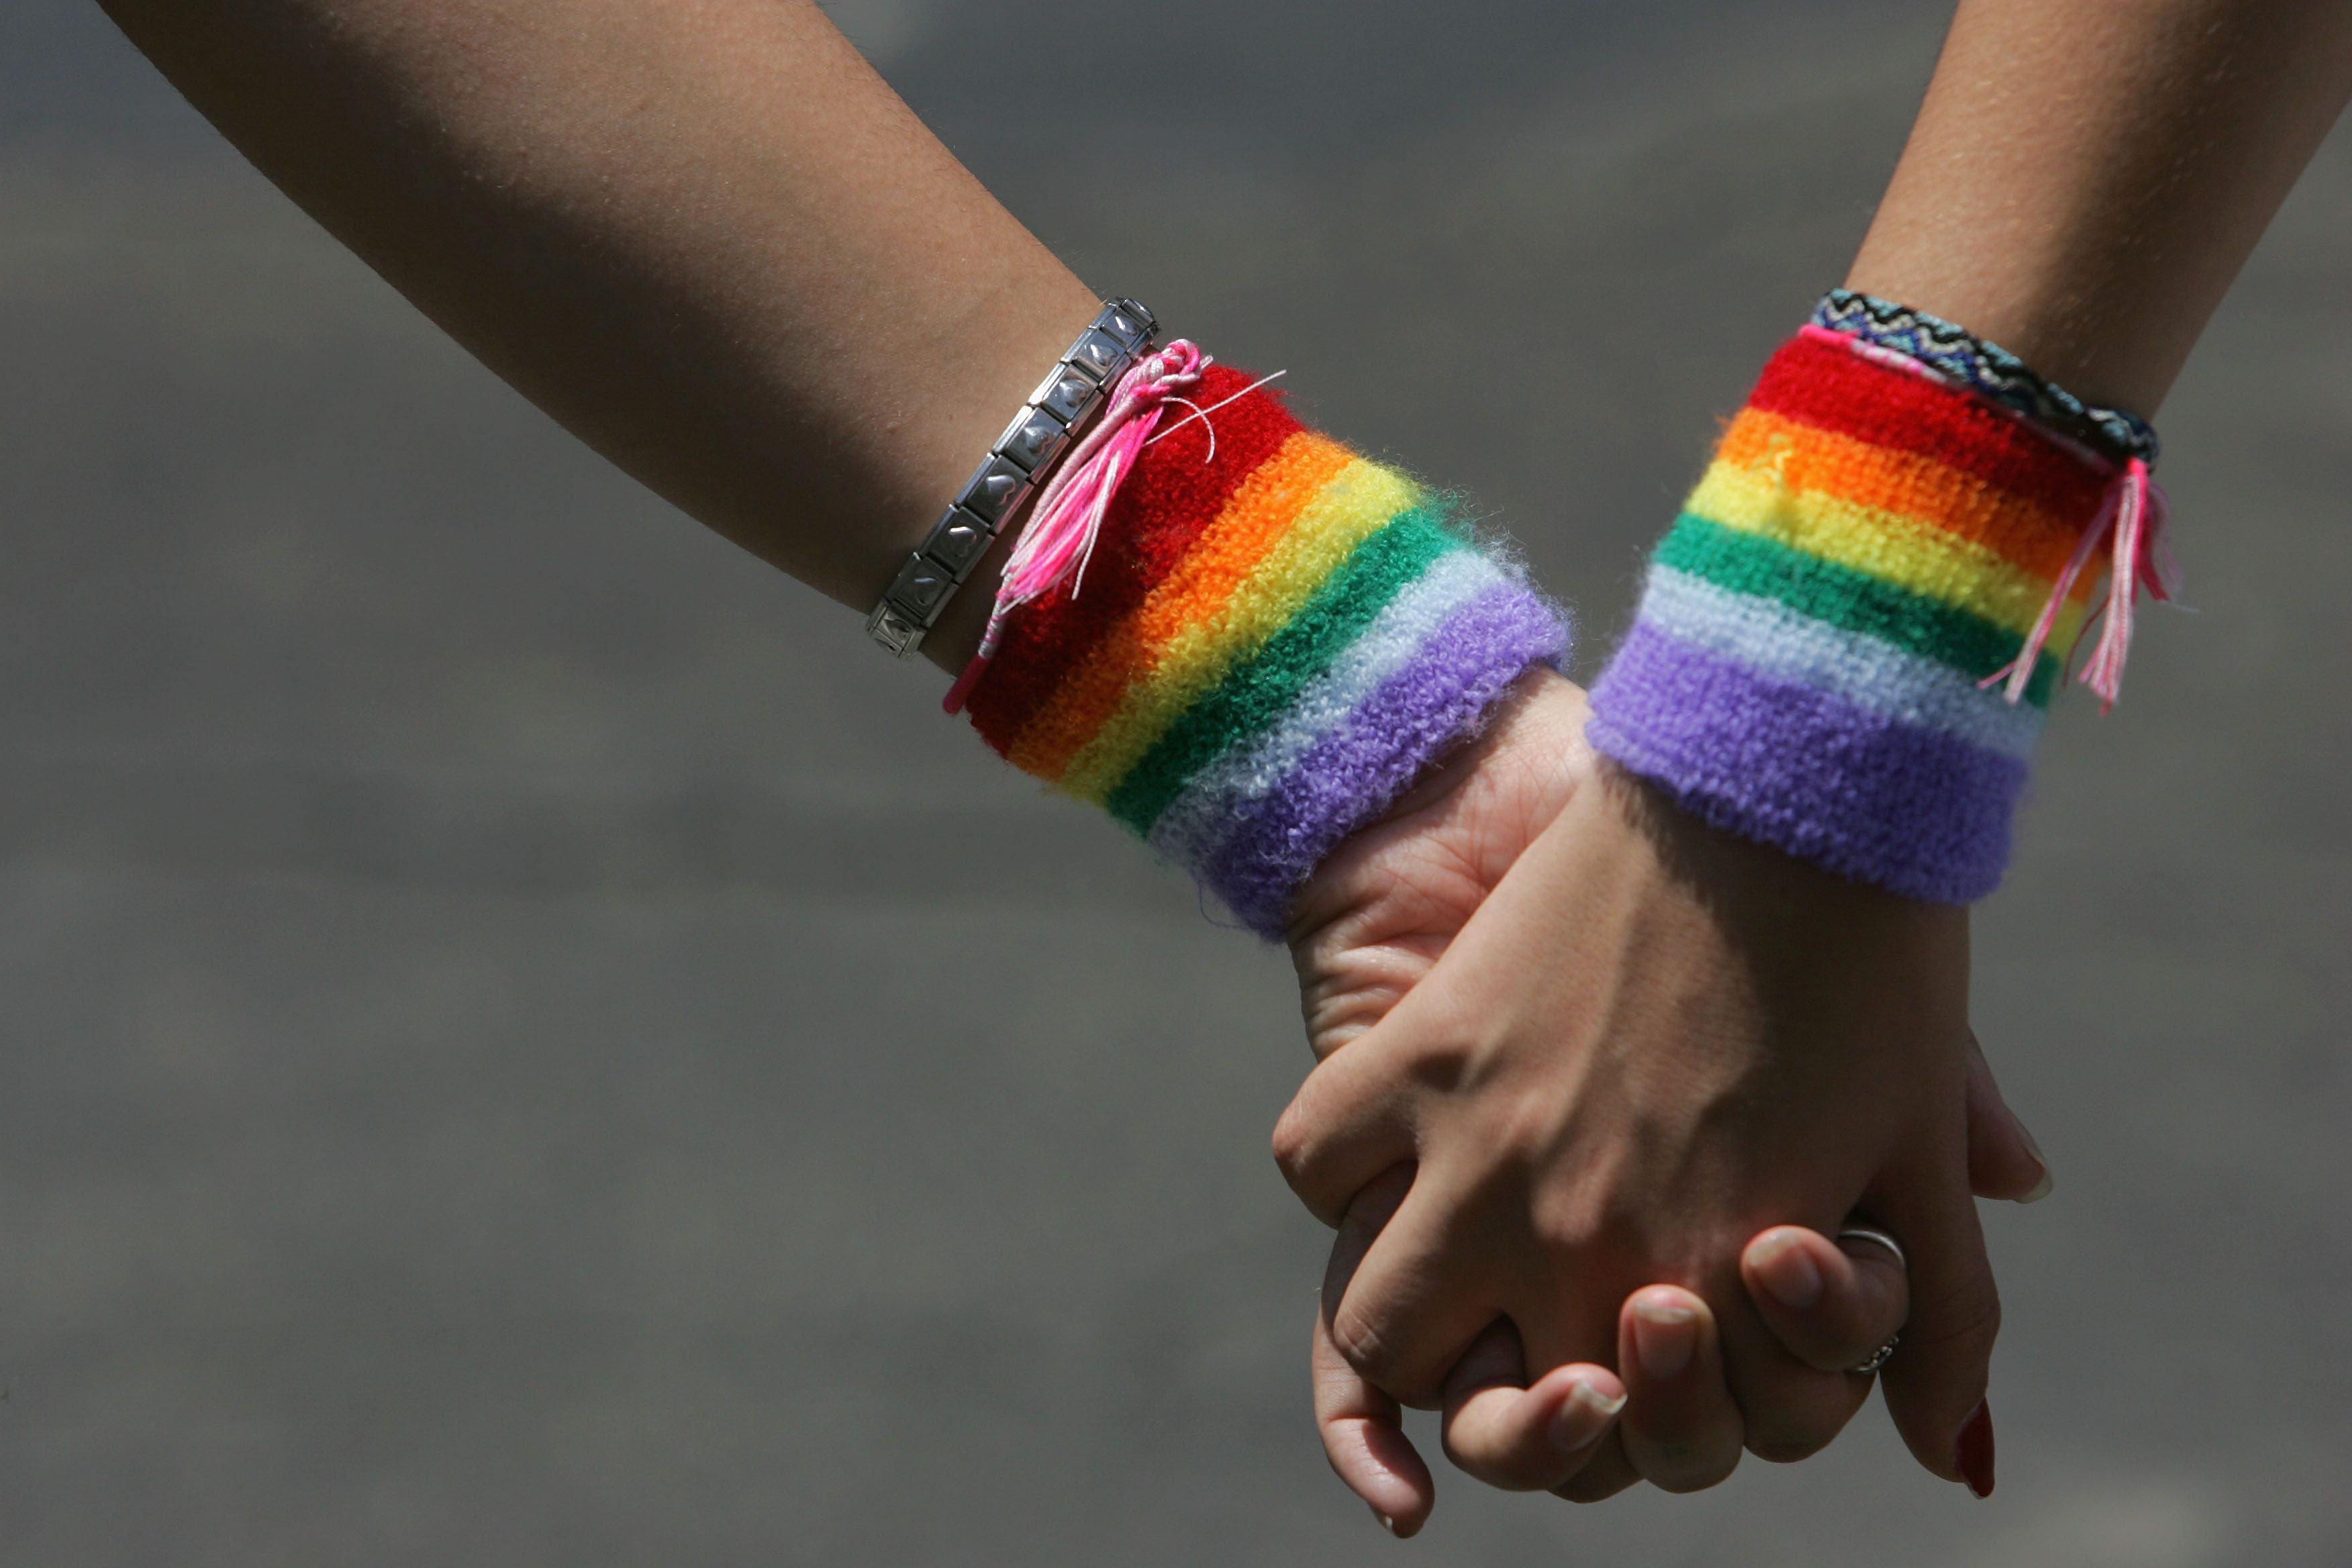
1353	774
1872	798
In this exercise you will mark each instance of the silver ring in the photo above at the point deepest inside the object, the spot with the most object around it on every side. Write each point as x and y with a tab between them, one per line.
1870	1233
1885	1353
1878	1357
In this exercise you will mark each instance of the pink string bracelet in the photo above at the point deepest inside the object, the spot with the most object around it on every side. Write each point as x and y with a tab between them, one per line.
1017	463
1060	535
2132	517
1850	636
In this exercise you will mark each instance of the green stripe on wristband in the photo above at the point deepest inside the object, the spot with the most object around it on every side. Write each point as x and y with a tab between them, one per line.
1256	693
1841	596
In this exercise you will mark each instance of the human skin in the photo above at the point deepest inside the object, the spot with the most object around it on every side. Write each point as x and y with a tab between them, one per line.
2083	181
708	239
1368	926
702	235
1635	1056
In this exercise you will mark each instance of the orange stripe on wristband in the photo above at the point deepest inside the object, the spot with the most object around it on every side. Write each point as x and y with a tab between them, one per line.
1259	512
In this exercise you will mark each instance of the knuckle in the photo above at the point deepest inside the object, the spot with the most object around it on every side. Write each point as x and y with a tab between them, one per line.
1294	1144
1440	1064
1568	1219
1302	1152
1362	1344
1583	1203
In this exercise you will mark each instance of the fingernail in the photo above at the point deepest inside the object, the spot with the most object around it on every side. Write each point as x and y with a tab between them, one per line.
1974	1457
1663	1337
1386	1522
2041	1188
1787	1272
1584	1419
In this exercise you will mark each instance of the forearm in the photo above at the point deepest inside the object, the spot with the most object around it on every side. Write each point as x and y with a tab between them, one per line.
705	236
2086	176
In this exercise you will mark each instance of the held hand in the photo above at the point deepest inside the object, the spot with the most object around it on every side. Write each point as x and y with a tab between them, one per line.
1377	919
1370	923
1832	1311
1649	1043
1374	919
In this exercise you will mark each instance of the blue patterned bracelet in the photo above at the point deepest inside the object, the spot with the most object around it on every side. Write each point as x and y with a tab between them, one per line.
1985	368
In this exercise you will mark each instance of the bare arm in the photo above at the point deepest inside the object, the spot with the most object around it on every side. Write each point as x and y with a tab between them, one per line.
707	238
2084	180
703	234
711	242
2086	176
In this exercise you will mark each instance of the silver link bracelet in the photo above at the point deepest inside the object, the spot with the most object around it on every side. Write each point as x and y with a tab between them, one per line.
1070	395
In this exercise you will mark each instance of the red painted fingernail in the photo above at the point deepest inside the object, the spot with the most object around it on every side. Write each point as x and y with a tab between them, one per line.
1975	1454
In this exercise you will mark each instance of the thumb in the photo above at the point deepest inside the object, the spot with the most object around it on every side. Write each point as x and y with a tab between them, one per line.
2004	1162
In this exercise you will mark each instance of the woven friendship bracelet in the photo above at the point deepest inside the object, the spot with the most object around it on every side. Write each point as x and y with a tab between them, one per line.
1842	647
1984	367
1272	638
1073	392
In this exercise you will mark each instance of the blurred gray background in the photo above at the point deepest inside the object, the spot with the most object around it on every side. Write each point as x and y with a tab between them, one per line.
524	1041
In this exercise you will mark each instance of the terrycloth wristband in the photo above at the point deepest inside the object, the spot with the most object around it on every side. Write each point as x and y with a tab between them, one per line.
1273	637
1816	660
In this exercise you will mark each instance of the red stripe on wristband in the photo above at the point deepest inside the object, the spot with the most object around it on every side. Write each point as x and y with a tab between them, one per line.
1817	385
1175	491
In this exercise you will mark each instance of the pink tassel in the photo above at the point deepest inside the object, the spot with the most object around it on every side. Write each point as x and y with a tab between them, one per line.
1068	519
2133	515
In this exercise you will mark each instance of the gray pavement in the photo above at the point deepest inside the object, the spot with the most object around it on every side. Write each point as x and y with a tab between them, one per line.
522	1042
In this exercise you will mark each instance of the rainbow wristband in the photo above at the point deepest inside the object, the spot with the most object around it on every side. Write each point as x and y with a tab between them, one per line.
1874	542
1273	637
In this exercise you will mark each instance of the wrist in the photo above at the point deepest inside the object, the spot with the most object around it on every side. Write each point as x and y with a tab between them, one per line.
1848	638
1272	638
988	364
1785	906
2036	306
2085	179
